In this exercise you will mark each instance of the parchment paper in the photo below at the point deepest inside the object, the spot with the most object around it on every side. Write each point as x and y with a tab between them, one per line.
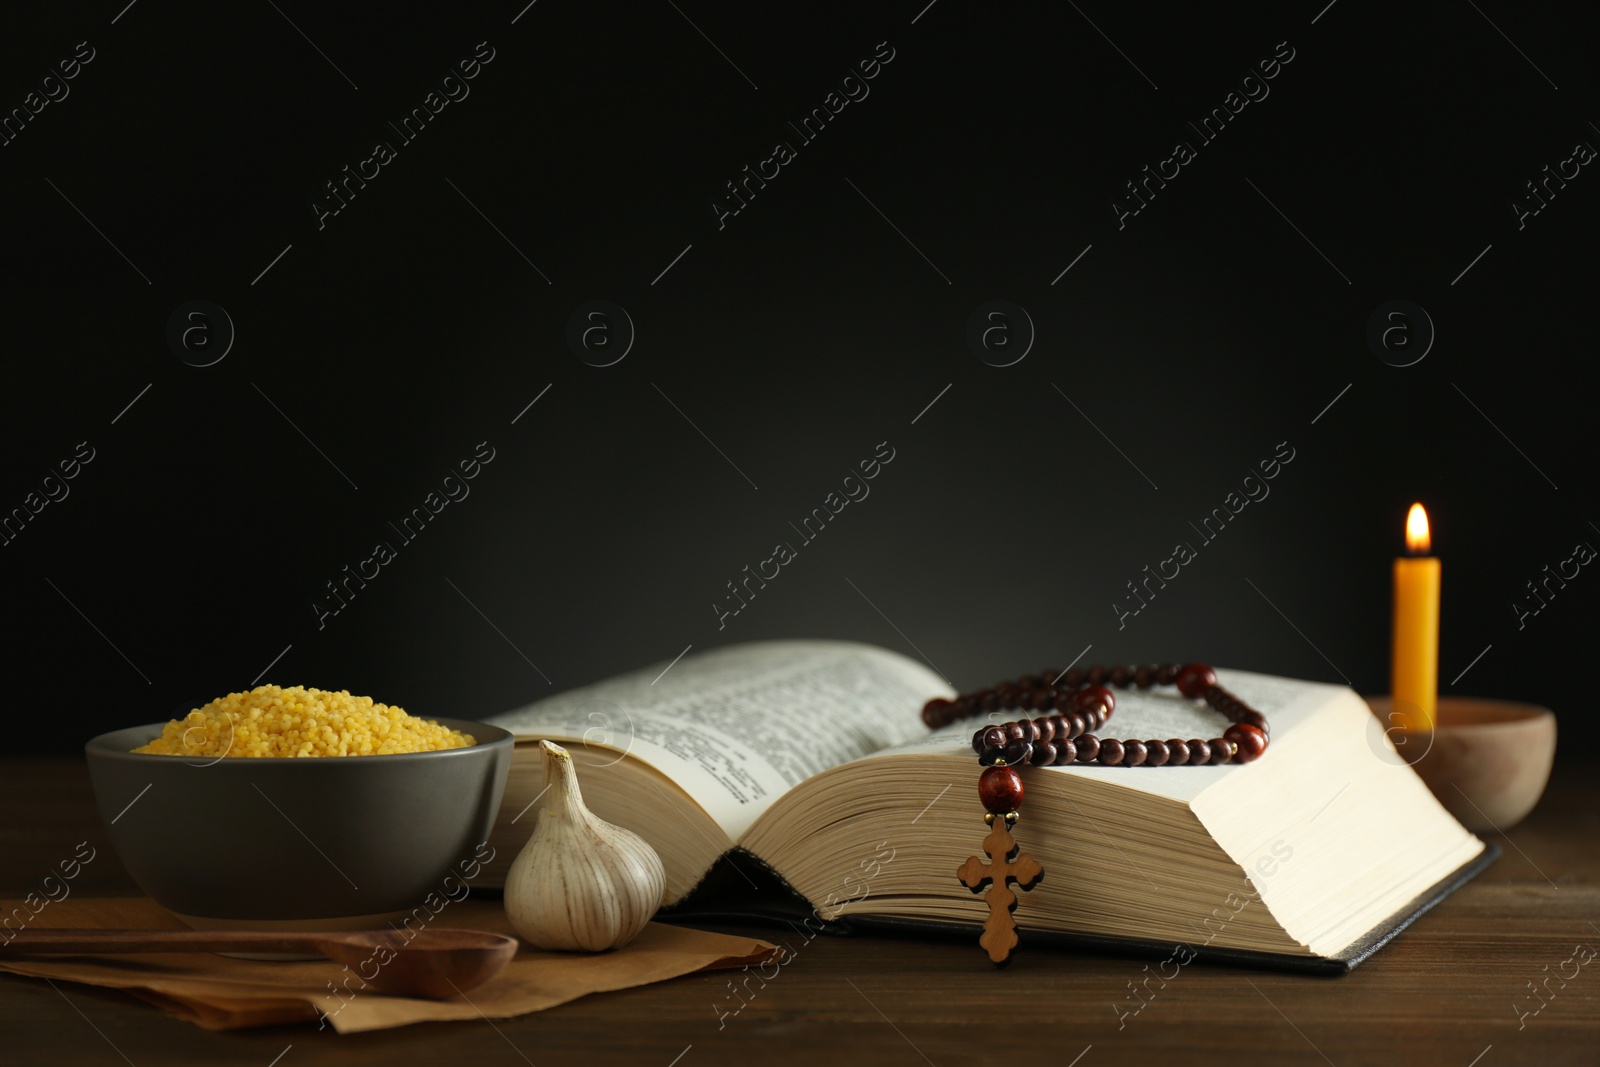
222	993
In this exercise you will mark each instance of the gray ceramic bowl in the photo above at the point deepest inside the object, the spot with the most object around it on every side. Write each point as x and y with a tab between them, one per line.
326	842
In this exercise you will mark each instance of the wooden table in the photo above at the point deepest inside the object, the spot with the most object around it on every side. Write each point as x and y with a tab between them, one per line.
1445	992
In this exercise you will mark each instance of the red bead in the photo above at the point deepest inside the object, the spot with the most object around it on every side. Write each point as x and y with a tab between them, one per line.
1248	741
1194	679
937	712
1092	696
1000	790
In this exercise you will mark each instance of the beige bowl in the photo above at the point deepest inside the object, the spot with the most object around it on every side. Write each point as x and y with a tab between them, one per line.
1487	761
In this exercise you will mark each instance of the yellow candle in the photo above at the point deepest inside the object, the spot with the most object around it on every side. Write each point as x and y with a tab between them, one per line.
1414	662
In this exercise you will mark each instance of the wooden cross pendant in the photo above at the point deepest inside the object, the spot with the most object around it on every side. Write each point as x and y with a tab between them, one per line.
1004	867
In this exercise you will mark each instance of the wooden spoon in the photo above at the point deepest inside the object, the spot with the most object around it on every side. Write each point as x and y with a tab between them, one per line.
434	963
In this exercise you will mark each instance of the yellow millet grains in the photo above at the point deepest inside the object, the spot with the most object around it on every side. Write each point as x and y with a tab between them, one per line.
273	721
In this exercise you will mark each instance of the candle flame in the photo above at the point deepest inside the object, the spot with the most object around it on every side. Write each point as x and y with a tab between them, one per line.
1417	540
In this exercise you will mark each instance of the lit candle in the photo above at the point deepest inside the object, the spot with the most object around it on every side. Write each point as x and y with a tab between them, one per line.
1414	663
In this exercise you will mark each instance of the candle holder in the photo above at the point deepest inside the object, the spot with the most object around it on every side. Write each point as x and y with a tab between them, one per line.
1487	761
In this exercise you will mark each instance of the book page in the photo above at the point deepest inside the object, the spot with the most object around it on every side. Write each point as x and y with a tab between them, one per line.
737	727
1161	714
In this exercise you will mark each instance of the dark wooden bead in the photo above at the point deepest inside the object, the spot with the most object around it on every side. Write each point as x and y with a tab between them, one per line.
1221	749
1015	732
1028	681
1134	753
1073	677
1006	694
1044	699
1095	675
1156	754
1119	676
1166	674
988	700
994	736
1094	695
1079	723
1049	675
978	743
1016	753
1030	729
1063	727
1199	752
1066	751
1110	752
1025	698
1256	719
1177	752
1047	729
1044	754
1194	679
1000	790
1248	742
1144	676
1088	748
935	712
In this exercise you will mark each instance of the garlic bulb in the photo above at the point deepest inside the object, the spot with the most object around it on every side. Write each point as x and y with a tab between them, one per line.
580	883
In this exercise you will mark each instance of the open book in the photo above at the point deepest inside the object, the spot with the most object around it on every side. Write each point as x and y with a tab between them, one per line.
811	757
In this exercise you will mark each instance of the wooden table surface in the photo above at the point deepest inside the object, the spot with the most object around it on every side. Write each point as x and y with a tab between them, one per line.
1446	992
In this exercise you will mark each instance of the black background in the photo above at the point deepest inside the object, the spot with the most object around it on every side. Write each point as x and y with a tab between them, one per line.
797	338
